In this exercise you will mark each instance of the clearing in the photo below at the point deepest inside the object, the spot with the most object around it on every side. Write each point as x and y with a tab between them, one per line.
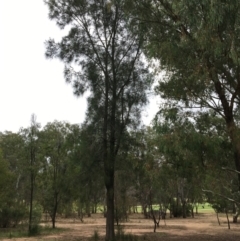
202	227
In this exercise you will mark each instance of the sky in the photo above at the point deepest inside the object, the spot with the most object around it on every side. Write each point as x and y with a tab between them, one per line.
30	83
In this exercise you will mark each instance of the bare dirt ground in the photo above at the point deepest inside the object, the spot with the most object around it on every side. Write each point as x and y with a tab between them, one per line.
202	227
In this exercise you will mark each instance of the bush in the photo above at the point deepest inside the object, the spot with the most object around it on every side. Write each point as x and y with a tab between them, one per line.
121	236
36	219
177	210
37	213
35	230
95	236
11	216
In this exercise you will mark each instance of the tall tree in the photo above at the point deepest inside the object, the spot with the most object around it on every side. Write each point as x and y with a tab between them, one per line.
13	208
31	138
88	171
55	149
107	61
197	44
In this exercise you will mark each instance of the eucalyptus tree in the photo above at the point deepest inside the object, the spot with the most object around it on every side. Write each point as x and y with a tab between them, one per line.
12	209
102	56
55	168
30	137
197	44
146	162
87	170
12	146
196	148
14	181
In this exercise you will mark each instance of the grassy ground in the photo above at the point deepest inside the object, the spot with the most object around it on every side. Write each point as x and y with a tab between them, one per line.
203	227
202	208
205	208
21	232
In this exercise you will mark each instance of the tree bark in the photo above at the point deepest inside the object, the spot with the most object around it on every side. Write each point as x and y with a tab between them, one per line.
54	213
218	218
110	211
227	218
184	209
31	202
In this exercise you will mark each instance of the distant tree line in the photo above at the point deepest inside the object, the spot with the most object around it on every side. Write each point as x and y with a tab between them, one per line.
170	167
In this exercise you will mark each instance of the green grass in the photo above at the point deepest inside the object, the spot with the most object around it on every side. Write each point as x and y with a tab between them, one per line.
202	208
22	232
205	208
13	232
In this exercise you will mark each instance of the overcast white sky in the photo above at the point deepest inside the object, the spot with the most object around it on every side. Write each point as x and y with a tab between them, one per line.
29	83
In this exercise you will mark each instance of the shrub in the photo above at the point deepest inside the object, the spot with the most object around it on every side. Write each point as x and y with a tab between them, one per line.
95	236
12	215
121	236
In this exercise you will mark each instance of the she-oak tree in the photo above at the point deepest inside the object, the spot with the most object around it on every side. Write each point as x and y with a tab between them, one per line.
106	60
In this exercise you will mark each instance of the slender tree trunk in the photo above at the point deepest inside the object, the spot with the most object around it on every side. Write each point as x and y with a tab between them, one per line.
54	211
108	167
236	213
110	212
218	219
196	209
32	160
176	207
227	218
237	161
109	183
109	172
31	203
184	209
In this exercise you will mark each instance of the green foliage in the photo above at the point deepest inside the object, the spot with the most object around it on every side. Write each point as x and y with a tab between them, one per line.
55	176
35	230
176	208
37	213
121	236
12	214
198	48
102	56
95	236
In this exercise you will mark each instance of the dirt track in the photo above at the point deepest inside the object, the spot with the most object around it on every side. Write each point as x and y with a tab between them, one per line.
202	227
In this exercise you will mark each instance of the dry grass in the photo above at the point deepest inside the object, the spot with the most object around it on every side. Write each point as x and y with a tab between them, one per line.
202	227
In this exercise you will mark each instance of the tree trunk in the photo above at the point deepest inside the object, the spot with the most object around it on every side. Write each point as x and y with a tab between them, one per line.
196	209
236	213
237	162
227	218
31	203
110	213
54	213
88	209
218	219
184	209
53	221
144	210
